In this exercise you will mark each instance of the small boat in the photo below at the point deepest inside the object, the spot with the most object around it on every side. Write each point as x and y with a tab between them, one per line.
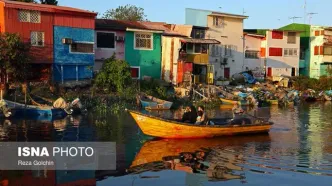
19	109
152	103
163	128
232	102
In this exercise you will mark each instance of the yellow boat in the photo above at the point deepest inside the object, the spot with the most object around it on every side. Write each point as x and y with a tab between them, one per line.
163	128
232	102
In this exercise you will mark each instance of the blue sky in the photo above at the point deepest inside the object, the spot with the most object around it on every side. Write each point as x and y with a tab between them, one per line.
262	13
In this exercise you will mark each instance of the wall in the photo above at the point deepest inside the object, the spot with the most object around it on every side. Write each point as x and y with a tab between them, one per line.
104	53
2	17
170	56
62	55
254	44
75	20
149	61
40	54
197	17
315	60
229	34
282	65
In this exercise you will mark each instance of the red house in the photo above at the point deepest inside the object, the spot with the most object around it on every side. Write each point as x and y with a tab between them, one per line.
35	24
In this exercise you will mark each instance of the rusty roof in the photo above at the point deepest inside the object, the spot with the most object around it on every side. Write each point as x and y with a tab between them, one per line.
45	8
201	41
110	24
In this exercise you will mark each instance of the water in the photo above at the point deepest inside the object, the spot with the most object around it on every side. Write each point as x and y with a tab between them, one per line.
298	150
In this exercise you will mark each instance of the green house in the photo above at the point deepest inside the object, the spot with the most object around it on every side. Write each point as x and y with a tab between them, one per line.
143	52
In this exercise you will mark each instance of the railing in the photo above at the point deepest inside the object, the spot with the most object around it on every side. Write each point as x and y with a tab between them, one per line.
195	58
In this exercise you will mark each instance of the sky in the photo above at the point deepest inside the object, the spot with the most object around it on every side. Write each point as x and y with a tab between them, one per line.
262	13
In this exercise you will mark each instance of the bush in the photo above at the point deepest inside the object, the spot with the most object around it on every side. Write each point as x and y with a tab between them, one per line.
114	76
303	83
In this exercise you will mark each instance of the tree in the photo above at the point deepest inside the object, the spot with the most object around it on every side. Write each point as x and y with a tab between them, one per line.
115	75
127	13
49	2
14	56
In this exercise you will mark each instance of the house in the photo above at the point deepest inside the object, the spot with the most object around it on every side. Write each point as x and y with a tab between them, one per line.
110	39
61	38
142	46
226	57
253	58
317	42
280	48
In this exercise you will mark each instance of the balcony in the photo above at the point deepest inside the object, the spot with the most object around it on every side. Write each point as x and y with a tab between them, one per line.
200	59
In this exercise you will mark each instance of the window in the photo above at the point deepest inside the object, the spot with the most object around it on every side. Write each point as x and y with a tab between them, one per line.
316	51
37	39
215	21
218	21
252	54
135	72
317	33
81	48
290	52
302	54
277	35
105	40
228	50
275	51
29	16
291	38
321	50
198	34
322	32
263	52
197	48
328	51
143	41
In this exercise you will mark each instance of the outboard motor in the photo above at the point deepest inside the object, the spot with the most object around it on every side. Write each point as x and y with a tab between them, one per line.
4	108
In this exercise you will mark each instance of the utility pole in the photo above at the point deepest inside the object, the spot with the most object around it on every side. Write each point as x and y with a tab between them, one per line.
244	52
310	16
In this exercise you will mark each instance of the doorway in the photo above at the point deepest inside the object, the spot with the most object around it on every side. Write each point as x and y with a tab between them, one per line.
269	72
226	73
293	72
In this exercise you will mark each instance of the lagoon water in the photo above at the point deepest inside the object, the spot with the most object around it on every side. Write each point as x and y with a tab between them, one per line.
298	150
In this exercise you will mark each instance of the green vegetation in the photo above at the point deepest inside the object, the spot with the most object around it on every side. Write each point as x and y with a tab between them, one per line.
126	13
14	57
49	2
303	83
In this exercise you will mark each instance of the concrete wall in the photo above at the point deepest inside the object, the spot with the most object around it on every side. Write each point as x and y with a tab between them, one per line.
230	33
149	61
104	53
253	44
170	55
74	65
315	60
197	17
282	65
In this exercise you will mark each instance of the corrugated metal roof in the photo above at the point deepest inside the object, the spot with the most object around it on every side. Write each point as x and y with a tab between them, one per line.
202	41
109	24
44	7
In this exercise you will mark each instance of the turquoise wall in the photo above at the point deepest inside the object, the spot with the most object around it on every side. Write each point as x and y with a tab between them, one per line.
197	17
149	61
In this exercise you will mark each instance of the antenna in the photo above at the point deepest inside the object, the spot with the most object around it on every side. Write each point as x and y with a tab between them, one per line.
293	18
305	11
310	14
244	12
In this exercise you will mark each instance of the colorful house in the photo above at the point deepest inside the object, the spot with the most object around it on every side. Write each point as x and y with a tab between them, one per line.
316	43
280	48
226	57
61	38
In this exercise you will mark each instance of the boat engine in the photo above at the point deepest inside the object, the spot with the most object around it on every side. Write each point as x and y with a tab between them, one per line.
4	108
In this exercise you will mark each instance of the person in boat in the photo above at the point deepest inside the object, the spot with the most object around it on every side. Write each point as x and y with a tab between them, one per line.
202	118
189	115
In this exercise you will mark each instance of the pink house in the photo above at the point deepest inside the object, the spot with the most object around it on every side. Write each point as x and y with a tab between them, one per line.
109	39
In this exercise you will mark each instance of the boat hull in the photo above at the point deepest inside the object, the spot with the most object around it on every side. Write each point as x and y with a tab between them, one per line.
161	128
231	102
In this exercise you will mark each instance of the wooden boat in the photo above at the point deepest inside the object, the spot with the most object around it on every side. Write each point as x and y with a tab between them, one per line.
19	109
163	128
155	150
232	102
152	103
